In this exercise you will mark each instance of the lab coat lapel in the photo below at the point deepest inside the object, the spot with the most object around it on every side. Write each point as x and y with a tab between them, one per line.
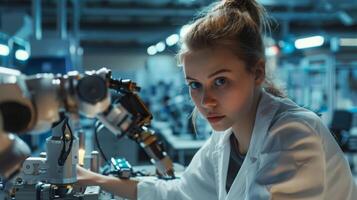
222	156
267	108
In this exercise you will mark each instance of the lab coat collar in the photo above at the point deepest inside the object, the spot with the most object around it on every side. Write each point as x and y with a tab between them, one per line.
267	108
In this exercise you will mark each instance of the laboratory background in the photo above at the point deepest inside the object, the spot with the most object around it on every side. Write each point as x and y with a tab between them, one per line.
137	121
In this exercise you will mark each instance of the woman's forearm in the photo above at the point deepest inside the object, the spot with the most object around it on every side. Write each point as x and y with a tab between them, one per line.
119	187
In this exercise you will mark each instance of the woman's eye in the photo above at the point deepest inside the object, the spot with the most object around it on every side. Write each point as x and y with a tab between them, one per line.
194	85
220	81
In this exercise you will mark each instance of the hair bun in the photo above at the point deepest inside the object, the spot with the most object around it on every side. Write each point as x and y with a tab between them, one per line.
237	4
255	10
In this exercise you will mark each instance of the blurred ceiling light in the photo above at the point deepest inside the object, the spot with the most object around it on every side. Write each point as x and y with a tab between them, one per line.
348	42
4	50
72	49
272	51
184	30
22	55
314	41
172	39
286	47
160	47
151	50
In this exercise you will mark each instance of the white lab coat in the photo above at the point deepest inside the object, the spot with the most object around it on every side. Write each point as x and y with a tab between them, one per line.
292	156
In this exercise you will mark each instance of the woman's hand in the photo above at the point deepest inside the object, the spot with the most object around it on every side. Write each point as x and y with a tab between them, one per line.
86	177
116	186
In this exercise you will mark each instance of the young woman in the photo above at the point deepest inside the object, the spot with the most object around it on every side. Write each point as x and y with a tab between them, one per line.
264	146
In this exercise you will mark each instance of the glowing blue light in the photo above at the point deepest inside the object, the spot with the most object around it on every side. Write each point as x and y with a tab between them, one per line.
22	55
151	50
160	47
172	39
4	50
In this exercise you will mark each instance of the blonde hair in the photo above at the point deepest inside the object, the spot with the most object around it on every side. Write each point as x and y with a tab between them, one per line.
238	25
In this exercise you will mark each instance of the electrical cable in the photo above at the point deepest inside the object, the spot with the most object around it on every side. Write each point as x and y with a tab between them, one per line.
64	153
98	144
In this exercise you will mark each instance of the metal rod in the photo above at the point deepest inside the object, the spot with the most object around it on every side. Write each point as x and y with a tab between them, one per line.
62	19
76	19
37	17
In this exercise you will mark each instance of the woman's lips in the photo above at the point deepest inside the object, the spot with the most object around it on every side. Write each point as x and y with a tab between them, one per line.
215	119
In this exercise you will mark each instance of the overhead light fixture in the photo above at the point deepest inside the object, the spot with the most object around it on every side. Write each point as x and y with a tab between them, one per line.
172	39
184	30
314	41
4	50
348	42
160	47
22	55
151	50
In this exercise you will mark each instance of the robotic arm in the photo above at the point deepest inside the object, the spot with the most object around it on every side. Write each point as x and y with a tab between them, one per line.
129	116
32	104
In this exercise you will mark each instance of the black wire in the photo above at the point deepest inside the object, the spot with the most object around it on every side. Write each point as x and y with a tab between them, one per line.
98	144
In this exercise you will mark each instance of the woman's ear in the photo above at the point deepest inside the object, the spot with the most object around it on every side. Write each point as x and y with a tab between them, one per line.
259	72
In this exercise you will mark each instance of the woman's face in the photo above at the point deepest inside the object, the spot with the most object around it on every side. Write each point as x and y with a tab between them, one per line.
220	86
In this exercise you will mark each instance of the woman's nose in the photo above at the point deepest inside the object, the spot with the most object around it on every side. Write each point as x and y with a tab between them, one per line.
208	100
